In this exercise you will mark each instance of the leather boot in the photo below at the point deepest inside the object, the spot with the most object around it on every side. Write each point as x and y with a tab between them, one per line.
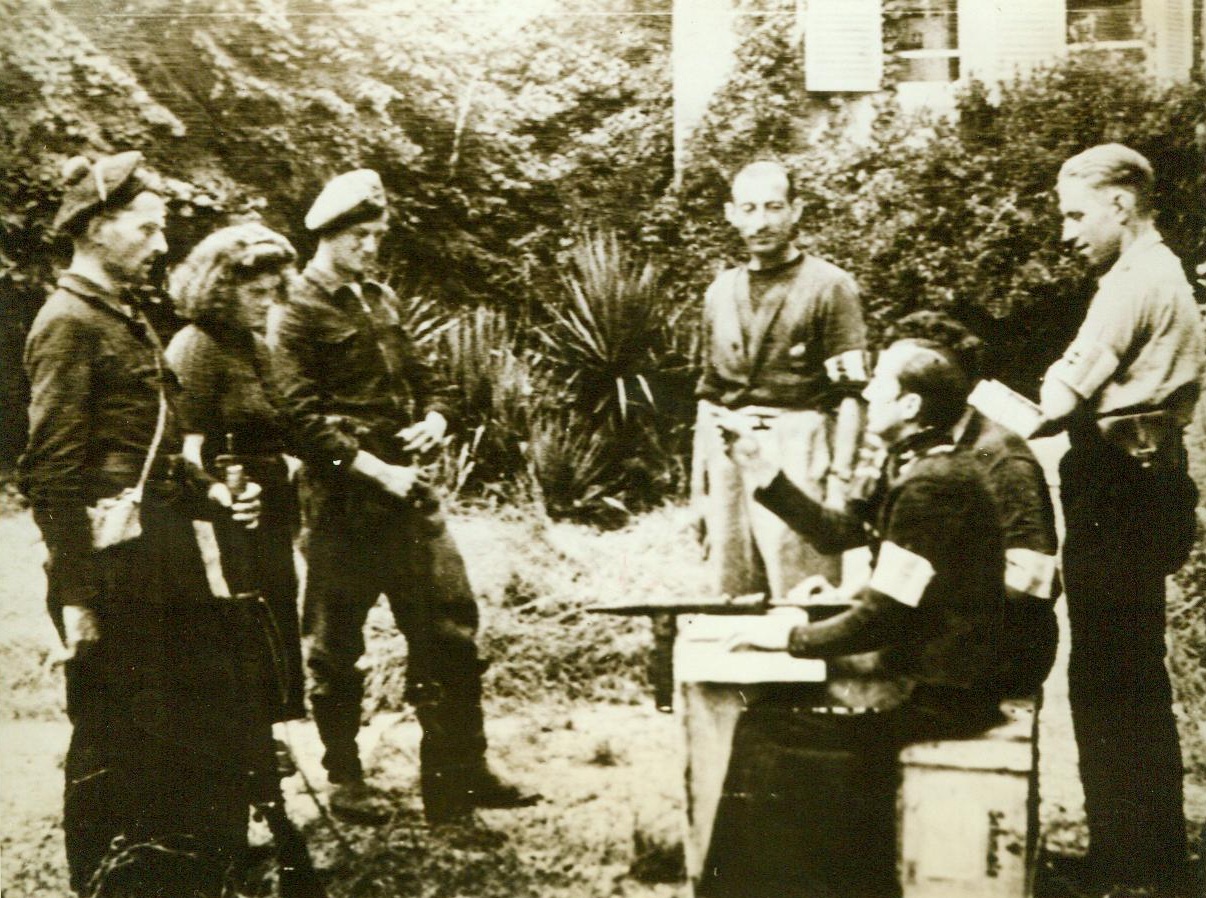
489	790
337	719
358	802
454	775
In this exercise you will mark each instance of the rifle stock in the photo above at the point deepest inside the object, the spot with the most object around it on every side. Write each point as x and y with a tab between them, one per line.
298	878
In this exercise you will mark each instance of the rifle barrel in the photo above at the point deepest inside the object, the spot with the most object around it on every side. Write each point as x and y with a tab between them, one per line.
753	604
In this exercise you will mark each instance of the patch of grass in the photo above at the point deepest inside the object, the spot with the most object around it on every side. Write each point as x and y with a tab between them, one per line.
534	579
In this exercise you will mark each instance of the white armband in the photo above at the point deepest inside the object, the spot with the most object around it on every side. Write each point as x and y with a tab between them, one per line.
1085	367
901	575
847	367
1030	572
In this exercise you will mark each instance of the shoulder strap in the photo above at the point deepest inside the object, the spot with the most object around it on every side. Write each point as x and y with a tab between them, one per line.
161	420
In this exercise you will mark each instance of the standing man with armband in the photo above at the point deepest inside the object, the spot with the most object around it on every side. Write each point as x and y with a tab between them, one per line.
1124	391
783	349
363	408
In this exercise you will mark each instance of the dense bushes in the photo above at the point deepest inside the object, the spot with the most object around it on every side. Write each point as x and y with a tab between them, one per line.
492	134
508	154
953	214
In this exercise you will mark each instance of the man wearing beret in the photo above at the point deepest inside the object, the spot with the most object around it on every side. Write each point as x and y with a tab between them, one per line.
364	408
155	799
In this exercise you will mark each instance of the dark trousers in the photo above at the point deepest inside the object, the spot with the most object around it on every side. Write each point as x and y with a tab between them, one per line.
1127	528
360	546
809	802
1029	641
159	716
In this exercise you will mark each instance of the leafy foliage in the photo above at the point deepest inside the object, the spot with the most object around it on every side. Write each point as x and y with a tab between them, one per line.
492	131
609	335
956	214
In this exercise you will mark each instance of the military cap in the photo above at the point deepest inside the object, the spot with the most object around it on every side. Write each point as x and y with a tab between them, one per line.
348	199
90	187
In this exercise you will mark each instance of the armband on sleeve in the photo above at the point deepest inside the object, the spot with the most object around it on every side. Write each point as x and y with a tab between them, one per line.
847	368
901	575
1085	367
1030	572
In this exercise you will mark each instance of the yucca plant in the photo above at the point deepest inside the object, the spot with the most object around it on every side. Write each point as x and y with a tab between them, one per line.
424	318
493	388
606	338
572	469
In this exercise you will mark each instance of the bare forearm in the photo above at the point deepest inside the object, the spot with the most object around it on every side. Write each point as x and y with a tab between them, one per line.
846	432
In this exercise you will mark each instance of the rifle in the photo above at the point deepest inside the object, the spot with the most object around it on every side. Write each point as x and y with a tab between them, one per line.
754	603
297	876
663	615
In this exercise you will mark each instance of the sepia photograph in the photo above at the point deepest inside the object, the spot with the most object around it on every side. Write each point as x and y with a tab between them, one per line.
603	448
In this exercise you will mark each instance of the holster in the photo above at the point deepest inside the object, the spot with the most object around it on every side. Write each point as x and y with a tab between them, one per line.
1151	438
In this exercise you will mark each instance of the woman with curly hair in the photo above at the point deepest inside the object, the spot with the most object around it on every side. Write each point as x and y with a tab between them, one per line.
227	406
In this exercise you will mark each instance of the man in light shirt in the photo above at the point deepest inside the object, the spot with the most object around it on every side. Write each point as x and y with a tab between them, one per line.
1124	391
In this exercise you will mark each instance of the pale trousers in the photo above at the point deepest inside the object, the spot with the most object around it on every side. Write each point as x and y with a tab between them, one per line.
750	549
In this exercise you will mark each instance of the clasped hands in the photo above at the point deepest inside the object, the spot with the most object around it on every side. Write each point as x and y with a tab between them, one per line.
244	508
400	480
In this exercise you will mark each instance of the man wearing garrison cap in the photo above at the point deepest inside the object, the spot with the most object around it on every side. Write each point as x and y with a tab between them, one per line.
155	799
365	409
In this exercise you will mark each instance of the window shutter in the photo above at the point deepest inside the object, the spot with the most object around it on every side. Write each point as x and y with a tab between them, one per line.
1169	25
843	45
998	40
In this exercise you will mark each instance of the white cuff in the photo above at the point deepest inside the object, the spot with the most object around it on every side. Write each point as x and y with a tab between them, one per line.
1030	572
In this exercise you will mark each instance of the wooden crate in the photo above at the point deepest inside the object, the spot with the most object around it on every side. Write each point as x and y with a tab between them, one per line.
969	812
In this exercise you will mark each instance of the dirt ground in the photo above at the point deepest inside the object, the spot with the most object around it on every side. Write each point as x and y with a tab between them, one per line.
610	770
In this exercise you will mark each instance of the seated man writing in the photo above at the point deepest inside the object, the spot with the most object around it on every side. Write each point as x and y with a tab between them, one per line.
814	812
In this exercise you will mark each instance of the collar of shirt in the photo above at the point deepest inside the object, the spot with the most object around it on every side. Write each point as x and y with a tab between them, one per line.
1133	254
904	452
111	300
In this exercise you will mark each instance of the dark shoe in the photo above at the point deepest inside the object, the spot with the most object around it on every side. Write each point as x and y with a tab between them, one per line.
358	802
487	789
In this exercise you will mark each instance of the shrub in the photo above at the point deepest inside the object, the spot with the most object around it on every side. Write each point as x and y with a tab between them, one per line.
955	214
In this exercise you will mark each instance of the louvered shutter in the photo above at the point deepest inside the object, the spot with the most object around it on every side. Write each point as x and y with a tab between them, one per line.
843	45
999	39
1169	26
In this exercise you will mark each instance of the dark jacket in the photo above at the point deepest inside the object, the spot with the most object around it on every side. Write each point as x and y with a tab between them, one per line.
348	373
935	600
226	391
94	402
